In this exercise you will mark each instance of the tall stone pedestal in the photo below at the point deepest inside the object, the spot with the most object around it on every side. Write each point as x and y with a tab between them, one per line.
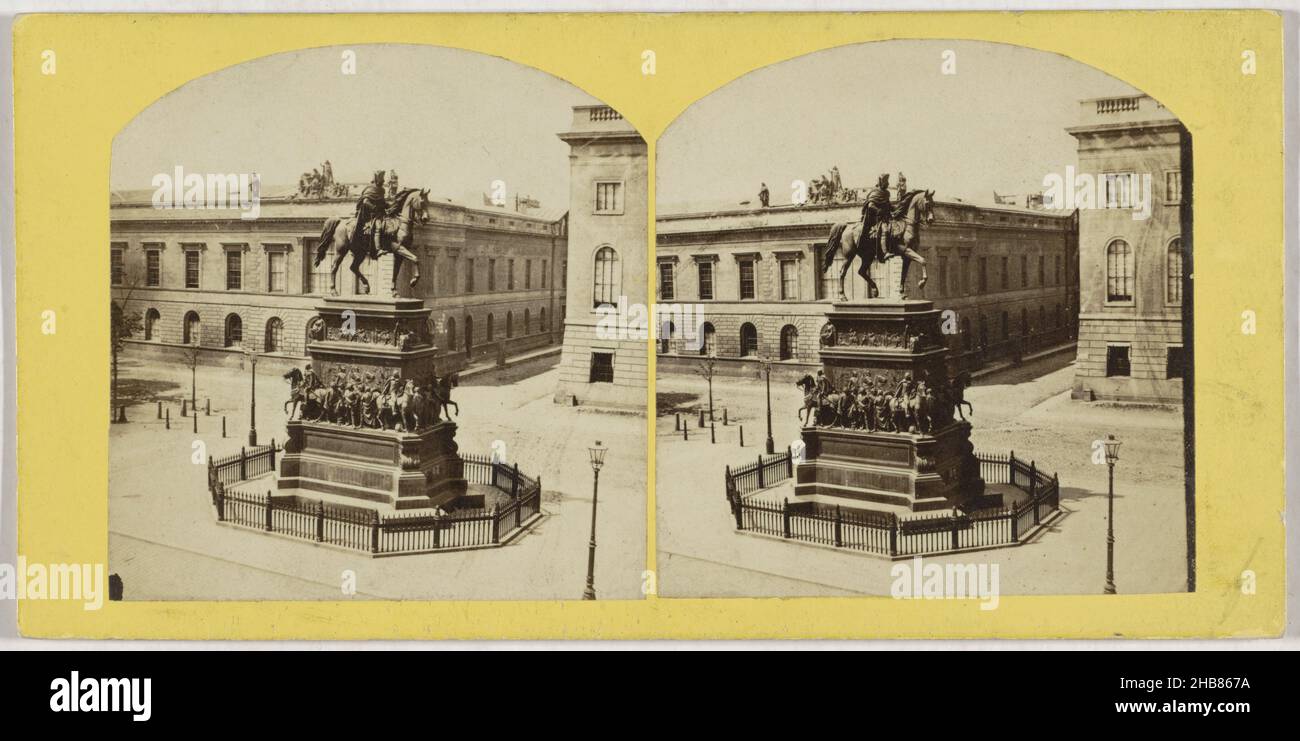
365	340
924	464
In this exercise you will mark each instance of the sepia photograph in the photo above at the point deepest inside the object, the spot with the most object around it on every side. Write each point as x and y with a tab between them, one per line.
354	335
924	325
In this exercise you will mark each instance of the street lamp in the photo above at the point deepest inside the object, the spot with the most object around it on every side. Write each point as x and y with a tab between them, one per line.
1112	455
597	460
252	398
767	373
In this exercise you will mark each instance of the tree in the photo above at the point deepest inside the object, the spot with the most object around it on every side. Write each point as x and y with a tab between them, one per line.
192	355
708	368
123	325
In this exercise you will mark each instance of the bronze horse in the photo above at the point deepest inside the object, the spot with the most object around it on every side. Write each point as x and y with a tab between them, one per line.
317	400
817	410
408	208
902	235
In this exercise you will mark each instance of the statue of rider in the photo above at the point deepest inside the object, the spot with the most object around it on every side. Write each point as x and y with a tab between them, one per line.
371	208
310	381
877	210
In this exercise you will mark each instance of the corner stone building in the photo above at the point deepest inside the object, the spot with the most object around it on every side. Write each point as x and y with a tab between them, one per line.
608	216
208	277
1132	282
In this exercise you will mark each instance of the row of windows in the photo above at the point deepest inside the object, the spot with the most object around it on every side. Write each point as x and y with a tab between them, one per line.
948	283
317	278
1117	361
1120	275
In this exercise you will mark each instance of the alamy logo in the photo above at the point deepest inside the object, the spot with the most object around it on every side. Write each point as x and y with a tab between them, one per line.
215	191
96	695
920	580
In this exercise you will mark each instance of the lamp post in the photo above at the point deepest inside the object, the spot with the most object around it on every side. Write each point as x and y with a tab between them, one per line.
1112	455
767	373
252	399
597	460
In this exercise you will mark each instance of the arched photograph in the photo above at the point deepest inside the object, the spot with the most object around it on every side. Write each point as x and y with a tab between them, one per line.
924	325
355	345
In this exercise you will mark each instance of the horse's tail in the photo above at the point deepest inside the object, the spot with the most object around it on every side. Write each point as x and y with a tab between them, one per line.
833	244
326	235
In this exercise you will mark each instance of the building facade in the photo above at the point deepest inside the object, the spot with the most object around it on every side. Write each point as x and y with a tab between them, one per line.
1008	275
608	215
208	277
1133	281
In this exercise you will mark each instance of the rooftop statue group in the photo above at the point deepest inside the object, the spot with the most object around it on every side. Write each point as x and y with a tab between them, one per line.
866	403
370	400
383	224
887	228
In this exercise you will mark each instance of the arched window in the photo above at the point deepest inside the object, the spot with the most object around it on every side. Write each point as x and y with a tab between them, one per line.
510	324
151	318
469	336
709	346
234	330
666	332
605	280
527	323
789	341
274	335
748	340
1174	272
490	331
1119	271
451	334
191	329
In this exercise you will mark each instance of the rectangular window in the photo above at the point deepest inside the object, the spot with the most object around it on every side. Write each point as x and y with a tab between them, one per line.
1119	189
984	275
609	198
1042	263
316	278
469	275
965	276
545	273
1119	271
117	266
453	275
275	264
789	281
1174	362
666	288
1174	272
528	274
706	280
1174	186
602	367
1024	271
1117	360
943	276
191	268
1056	270
234	270
746	279
153	268
510	275
492	274
1006	274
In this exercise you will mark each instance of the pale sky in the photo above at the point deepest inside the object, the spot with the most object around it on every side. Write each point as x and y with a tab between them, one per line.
997	124
449	120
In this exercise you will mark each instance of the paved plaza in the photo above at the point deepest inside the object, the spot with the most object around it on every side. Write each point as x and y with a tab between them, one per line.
1026	409
166	544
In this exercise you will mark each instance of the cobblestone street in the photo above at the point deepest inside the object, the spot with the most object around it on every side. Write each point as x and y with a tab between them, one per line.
1026	409
166	543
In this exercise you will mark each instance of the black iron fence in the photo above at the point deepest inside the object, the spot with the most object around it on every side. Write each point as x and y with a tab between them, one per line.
365	529
884	533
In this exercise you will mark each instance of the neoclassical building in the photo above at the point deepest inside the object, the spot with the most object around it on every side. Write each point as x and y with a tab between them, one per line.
1134	286
1008	274
207	277
608	215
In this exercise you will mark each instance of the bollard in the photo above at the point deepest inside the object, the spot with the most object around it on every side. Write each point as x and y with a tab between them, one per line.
713	434
686	432
742	436
195	417
167	420
724	416
223	425
701	419
207	407
677	424
182	407
160	410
